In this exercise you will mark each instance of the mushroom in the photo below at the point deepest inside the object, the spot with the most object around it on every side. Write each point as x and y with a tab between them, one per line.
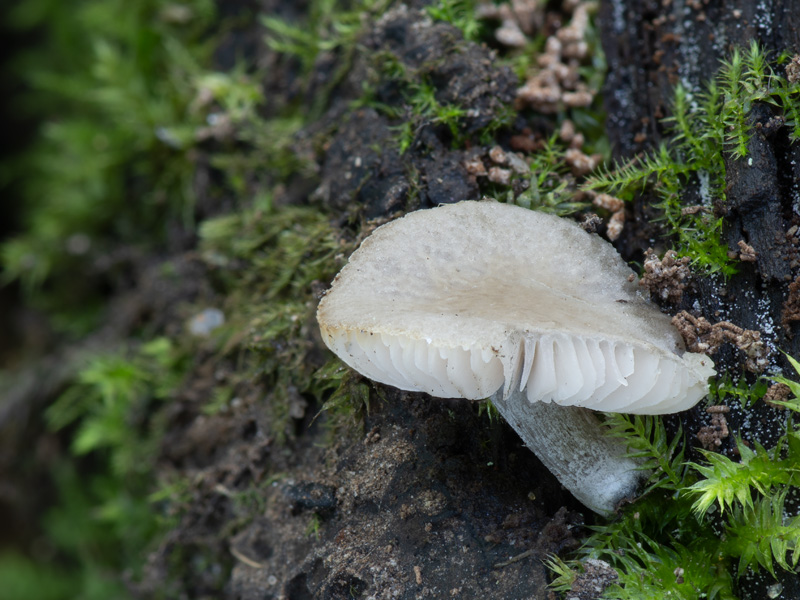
482	299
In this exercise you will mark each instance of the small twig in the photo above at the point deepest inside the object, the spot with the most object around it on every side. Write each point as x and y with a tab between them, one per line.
516	558
245	559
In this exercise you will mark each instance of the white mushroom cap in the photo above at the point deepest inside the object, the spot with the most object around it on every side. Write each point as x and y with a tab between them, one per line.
459	300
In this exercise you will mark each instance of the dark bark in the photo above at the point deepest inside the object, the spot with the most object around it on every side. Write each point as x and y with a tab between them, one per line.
652	46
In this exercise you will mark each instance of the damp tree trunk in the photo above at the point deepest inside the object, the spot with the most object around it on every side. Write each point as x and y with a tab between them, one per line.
650	47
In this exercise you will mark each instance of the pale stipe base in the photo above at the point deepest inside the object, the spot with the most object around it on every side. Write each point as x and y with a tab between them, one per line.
571	442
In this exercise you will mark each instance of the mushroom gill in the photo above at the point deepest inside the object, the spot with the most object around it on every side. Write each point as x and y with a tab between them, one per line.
480	299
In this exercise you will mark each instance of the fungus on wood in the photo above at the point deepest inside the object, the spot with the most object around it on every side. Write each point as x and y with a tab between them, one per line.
482	299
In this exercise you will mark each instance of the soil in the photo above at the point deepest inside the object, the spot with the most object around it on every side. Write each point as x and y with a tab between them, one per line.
408	507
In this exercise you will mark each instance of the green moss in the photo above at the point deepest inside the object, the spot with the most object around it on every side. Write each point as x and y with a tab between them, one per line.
125	113
417	106
705	128
111	85
730	484
268	262
330	26
347	396
104	519
113	81
724	388
549	186
423	108
460	14
314	526
23	579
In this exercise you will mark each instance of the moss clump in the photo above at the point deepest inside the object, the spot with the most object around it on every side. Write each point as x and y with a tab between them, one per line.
268	263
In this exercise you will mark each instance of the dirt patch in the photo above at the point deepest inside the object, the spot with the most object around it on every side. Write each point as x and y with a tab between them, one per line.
407	507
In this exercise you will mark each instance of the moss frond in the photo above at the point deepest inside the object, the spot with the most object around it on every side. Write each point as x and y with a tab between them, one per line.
705	128
648	441
732	484
624	180
792	404
762	536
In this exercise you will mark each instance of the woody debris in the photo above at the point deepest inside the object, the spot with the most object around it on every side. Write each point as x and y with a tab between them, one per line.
702	336
665	278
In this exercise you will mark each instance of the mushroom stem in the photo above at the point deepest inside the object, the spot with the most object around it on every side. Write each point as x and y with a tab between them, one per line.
571	443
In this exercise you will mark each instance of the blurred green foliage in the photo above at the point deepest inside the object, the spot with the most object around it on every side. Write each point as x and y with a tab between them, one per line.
105	519
111	84
113	87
